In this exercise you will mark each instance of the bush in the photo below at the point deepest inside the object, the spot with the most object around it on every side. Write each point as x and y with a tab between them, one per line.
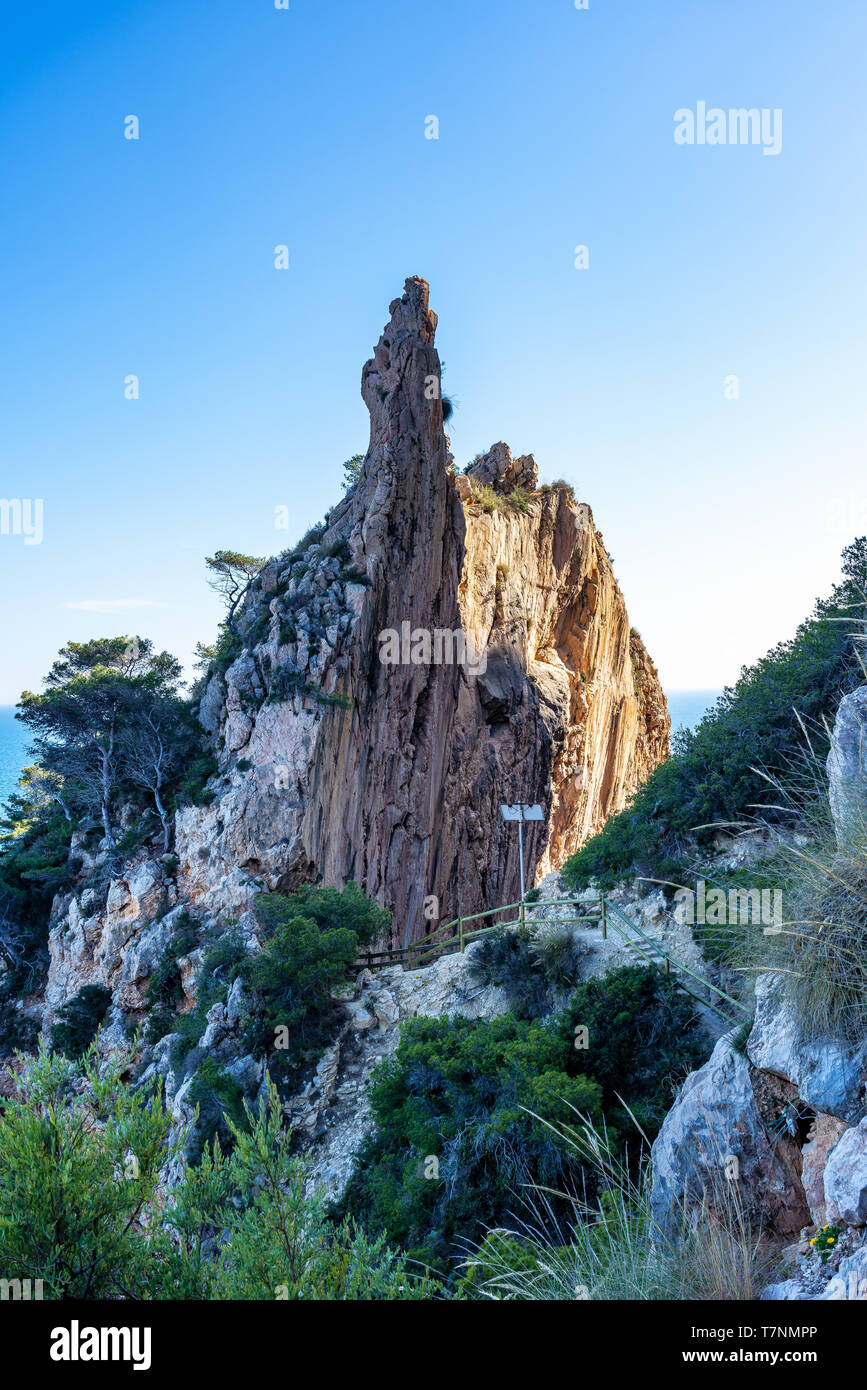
454	1139
165	991
34	865
504	959
314	937
193	788
485	496
612	1248
532	964
78	1020
220	1103
222	963
821	945
518	499
642	1040
82	1208
560	951
464	1110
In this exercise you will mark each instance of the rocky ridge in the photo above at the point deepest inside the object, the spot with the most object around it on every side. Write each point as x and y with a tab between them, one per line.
393	774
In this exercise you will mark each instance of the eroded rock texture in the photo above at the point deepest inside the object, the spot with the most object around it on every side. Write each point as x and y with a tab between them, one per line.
557	701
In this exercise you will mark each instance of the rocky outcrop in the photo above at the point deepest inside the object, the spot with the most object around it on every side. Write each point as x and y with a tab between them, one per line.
797	1100
714	1147
828	1074
823	1135
847	770
443	646
846	1178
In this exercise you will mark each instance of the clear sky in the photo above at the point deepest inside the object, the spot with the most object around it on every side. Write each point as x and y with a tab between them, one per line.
306	127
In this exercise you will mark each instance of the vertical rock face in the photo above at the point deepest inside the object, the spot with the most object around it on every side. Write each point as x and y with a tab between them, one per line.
511	674
847	769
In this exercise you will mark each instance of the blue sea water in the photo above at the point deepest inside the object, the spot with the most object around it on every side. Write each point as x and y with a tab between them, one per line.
686	707
14	741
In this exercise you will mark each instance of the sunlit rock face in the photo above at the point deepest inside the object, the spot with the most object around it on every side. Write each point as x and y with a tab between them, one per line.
447	644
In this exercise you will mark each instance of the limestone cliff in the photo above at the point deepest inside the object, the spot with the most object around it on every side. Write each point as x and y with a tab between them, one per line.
392	772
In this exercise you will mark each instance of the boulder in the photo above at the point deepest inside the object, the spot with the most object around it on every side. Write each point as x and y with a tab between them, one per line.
713	1136
847	769
823	1136
499	470
846	1178
850	1281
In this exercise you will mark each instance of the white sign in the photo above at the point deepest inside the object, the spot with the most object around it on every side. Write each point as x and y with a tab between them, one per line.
522	813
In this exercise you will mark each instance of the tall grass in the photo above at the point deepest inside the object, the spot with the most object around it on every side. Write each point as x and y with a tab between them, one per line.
821	868
614	1248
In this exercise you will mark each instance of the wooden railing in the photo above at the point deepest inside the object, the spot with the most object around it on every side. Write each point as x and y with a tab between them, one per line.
459	933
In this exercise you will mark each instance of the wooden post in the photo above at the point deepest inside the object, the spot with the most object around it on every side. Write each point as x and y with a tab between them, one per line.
604	922
461	933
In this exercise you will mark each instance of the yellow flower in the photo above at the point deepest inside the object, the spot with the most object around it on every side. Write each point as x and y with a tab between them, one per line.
830	1239
813	1241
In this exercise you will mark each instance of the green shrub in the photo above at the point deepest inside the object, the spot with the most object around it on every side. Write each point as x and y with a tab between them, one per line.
165	991
220	1103
612	1247
641	1039
485	496
499	1249
313	938
352	471
78	1020
287	682
518	499
34	865
313	941
454	1140
224	960
137	835
504	959
82	1206
193	788
532	964
560	951
464	1108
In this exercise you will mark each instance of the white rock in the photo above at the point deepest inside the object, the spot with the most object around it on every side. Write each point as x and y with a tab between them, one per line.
715	1128
846	1177
829	1075
847	769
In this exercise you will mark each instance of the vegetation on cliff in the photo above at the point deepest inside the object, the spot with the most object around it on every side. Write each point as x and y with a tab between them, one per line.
82	1206
718	773
464	1109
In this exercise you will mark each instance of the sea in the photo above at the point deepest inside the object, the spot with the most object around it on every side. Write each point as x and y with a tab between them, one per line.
14	743
686	707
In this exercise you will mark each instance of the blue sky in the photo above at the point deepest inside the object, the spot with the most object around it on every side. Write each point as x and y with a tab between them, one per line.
261	127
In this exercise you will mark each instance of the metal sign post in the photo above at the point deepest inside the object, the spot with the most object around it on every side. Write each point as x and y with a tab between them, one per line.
520	813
